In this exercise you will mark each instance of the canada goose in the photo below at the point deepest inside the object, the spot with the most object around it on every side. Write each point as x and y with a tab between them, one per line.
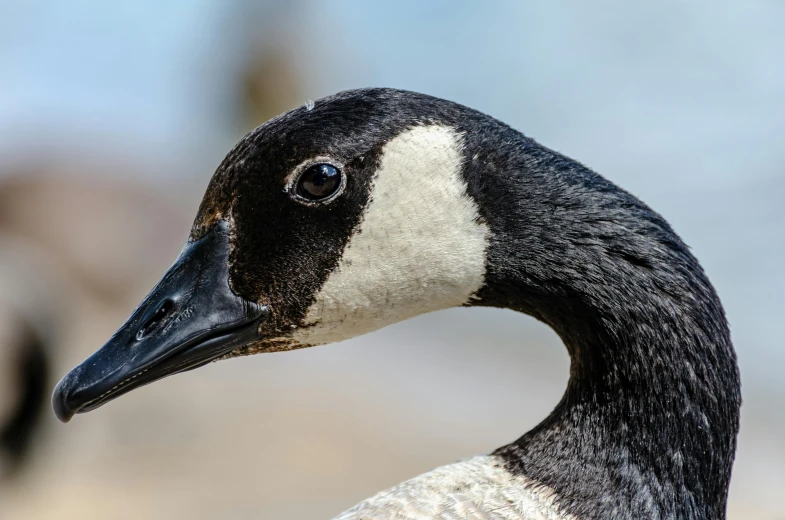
373	206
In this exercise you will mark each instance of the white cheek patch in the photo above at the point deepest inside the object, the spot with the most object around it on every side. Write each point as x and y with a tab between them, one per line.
420	246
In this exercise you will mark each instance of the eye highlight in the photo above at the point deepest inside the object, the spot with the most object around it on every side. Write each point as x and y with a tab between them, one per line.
319	182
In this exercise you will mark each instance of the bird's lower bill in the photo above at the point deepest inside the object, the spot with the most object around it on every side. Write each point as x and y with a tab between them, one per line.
189	319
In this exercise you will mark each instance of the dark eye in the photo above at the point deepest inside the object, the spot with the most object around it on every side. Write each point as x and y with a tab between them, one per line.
319	181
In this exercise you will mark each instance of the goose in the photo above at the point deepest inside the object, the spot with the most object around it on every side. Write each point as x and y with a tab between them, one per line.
372	206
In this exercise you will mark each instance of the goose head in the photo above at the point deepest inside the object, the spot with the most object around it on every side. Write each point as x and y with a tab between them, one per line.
325	223
373	206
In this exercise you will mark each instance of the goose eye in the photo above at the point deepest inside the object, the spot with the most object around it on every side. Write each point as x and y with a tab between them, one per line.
318	182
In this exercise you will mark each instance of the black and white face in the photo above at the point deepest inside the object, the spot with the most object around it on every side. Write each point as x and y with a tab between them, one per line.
381	237
321	225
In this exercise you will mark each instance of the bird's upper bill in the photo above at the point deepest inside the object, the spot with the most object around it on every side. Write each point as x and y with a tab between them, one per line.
189	319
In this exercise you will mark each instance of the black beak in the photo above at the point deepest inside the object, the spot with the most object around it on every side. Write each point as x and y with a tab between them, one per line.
190	318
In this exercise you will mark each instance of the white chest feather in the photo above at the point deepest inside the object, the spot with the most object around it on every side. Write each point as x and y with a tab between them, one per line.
420	246
479	488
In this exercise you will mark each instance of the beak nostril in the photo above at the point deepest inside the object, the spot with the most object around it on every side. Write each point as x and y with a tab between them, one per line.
157	319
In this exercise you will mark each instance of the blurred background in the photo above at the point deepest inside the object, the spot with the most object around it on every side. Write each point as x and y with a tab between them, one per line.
113	116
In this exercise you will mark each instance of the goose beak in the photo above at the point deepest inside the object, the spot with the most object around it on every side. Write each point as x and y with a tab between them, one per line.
190	318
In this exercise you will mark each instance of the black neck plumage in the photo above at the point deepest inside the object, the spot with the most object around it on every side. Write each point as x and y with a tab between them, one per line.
647	426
